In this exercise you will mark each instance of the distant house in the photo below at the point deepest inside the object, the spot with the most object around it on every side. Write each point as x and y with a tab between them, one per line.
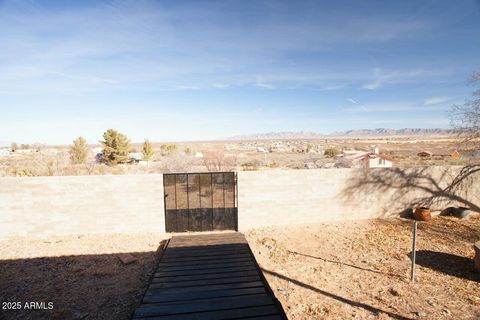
198	154
310	165
135	157
25	151
455	154
372	160
424	154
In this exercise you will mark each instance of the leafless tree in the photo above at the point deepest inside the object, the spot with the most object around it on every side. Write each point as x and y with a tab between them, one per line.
434	187
216	161
465	118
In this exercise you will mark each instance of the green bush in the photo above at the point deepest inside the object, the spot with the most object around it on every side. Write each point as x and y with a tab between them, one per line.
331	152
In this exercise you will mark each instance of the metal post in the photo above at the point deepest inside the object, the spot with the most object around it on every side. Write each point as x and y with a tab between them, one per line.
414	249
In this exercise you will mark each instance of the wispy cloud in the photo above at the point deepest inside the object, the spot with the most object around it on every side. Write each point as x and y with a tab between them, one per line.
382	77
435	100
352	101
380	108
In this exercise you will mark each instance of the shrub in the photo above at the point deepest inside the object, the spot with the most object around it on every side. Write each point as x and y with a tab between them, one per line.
79	151
147	150
331	152
168	148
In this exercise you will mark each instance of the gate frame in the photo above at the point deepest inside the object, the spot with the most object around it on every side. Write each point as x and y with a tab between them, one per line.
235	194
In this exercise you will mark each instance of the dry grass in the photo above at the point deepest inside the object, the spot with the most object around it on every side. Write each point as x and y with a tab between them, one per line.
81	275
361	269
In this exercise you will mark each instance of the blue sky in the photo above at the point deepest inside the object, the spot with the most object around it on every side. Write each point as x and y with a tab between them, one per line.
194	70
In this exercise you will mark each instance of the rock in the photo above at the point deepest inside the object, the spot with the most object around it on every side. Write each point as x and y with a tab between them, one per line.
420	314
462	213
446	312
126	258
282	290
430	302
393	292
476	259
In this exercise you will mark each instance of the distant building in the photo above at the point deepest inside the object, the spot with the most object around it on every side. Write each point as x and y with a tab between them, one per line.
310	165
455	154
424	154
135	157
25	151
376	160
198	155
372	160
4	152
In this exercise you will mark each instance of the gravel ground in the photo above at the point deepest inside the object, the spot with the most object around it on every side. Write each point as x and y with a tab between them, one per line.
80	277
361	270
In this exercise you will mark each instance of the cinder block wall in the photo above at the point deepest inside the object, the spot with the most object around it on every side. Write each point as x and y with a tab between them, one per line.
44	206
277	197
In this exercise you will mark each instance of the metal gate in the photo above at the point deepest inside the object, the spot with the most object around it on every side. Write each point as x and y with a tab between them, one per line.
200	201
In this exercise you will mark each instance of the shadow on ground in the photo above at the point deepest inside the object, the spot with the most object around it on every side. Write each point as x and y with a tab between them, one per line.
347	265
358	304
447	263
80	287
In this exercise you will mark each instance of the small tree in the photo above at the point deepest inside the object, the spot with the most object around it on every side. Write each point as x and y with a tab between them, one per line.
331	152
79	151
116	147
14	146
168	148
147	150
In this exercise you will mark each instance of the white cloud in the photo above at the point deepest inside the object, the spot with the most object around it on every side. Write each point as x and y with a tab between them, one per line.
352	101
435	100
381	77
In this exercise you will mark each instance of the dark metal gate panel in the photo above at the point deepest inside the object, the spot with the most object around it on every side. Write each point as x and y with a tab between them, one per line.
200	201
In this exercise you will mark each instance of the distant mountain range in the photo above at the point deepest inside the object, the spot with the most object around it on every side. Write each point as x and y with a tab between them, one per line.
379	132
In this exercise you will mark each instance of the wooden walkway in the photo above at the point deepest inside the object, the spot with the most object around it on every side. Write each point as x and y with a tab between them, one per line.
211	276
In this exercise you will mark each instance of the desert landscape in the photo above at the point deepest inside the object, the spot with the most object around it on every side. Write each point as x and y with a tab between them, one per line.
239	160
253	152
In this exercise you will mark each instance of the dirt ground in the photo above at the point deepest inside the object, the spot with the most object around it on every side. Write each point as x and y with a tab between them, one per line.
345	270
361	270
82	276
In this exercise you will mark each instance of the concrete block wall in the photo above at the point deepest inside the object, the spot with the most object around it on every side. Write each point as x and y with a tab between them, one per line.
44	206
278	197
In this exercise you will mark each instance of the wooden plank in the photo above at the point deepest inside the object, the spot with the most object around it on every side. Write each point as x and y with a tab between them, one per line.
168	273
212	248
197	295
207	258
207	266
212	254
206	288
205	282
220	314
229	259
208	277
205	276
149	310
